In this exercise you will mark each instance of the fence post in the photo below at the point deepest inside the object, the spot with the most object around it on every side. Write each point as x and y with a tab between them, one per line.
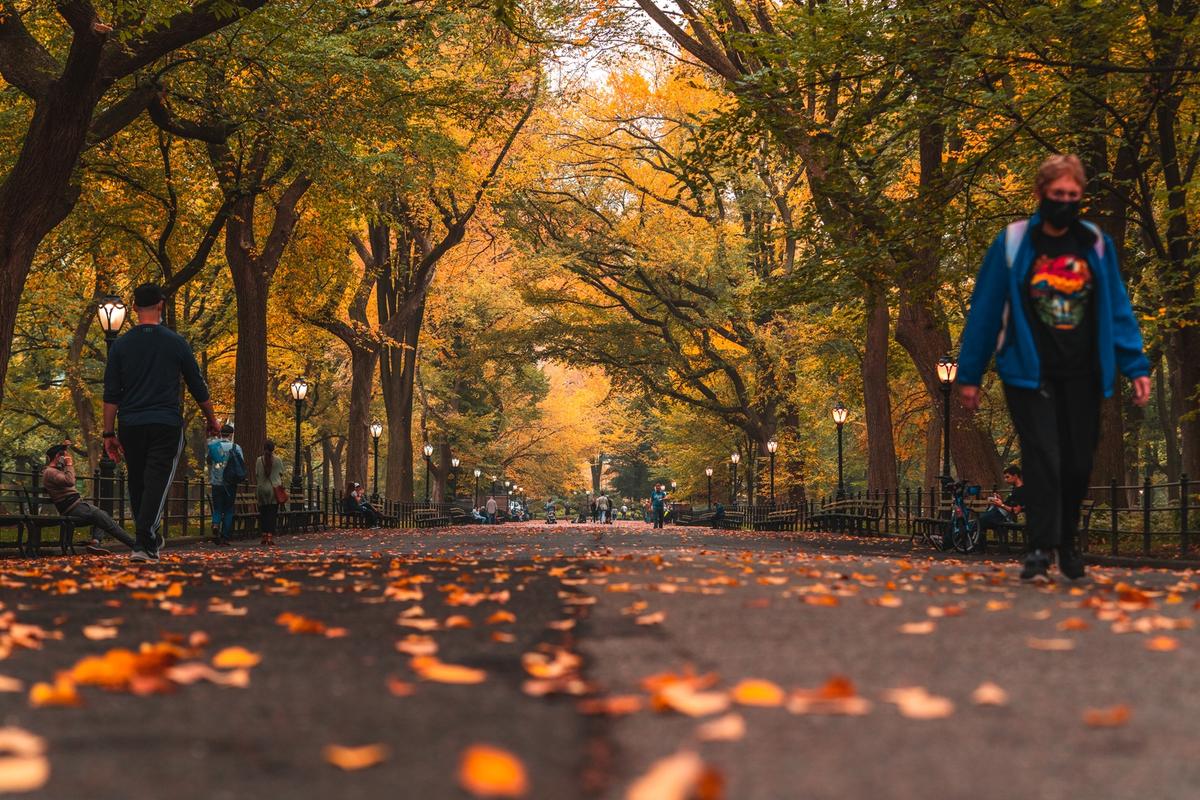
907	510
1184	536
1147	492
1112	507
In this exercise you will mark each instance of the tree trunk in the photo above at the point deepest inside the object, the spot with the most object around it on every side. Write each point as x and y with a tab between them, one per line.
972	451
401	430
250	365
881	447
1167	418
362	374
81	397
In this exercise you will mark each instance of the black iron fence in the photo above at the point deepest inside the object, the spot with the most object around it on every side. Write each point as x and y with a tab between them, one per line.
188	510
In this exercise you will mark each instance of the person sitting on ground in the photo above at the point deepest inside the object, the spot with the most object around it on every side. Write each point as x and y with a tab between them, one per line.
58	477
1004	512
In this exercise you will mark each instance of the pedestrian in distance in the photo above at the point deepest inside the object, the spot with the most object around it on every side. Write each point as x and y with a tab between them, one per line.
602	508
1050	304
58	478
224	458
491	510
658	503
269	491
142	395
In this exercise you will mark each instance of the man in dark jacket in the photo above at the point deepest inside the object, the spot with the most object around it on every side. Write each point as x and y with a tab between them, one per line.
1050	303
141	391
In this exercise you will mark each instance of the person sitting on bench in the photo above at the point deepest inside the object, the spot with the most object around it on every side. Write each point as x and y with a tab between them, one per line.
58	477
1004	512
355	502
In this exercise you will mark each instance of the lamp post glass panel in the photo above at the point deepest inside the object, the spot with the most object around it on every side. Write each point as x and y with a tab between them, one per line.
429	453
111	313
734	459
772	446
299	389
454	462
840	415
947	370
708	473
376	432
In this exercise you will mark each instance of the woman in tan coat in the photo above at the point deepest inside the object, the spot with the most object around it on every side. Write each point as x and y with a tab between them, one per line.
268	473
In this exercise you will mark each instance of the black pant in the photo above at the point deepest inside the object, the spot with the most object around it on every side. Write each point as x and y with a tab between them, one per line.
1059	425
658	516
268	515
151	455
84	513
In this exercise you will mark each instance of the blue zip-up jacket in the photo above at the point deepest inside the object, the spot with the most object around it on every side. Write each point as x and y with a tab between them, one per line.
997	322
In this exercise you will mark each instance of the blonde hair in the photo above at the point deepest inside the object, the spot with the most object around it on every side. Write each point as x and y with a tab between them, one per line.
1058	165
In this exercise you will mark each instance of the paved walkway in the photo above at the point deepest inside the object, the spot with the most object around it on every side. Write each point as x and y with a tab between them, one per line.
598	662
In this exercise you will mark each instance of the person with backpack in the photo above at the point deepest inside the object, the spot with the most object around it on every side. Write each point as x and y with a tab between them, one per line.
602	508
226	470
142	393
1050	304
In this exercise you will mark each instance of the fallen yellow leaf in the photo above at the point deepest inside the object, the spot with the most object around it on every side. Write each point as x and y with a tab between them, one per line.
232	657
755	692
989	694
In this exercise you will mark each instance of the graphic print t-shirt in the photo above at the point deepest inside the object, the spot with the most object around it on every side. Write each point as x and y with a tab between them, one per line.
1060	292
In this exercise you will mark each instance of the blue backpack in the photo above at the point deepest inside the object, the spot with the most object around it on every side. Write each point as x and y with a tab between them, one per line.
235	469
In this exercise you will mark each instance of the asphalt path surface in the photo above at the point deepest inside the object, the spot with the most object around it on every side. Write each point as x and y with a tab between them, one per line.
712	608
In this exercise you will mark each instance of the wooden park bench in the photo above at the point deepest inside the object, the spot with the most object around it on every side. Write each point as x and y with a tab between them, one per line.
432	518
781	519
734	520
290	520
850	515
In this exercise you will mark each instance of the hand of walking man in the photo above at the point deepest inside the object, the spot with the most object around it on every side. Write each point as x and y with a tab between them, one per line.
969	397
112	448
1141	390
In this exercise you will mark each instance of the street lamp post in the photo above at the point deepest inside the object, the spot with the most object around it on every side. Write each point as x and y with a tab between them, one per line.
428	451
299	389
772	446
454	462
111	313
840	414
376	432
947	371
475	495
708	471
734	459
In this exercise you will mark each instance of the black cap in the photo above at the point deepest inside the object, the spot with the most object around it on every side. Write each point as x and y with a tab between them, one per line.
52	452
146	295
227	429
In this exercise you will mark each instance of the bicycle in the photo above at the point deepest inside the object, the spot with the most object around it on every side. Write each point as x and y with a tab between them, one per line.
962	529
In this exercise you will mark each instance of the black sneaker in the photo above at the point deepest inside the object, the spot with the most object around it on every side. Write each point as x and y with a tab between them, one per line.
1070	563
95	549
1037	565
141	556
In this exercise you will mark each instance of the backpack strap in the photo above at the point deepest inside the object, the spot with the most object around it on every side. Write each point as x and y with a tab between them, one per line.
1013	234
1099	245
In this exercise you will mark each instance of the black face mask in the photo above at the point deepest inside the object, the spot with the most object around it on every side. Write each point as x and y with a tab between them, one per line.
1059	213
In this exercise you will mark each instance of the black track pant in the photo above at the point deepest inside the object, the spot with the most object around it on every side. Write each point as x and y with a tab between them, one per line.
151	455
1058	425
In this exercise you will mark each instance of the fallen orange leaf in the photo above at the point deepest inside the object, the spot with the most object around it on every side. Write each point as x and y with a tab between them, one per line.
1113	717
729	728
989	694
23	763
61	693
431	669
916	703
355	758
487	771
675	777
1162	644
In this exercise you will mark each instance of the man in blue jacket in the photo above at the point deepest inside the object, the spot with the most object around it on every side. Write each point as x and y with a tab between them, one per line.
1050	303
